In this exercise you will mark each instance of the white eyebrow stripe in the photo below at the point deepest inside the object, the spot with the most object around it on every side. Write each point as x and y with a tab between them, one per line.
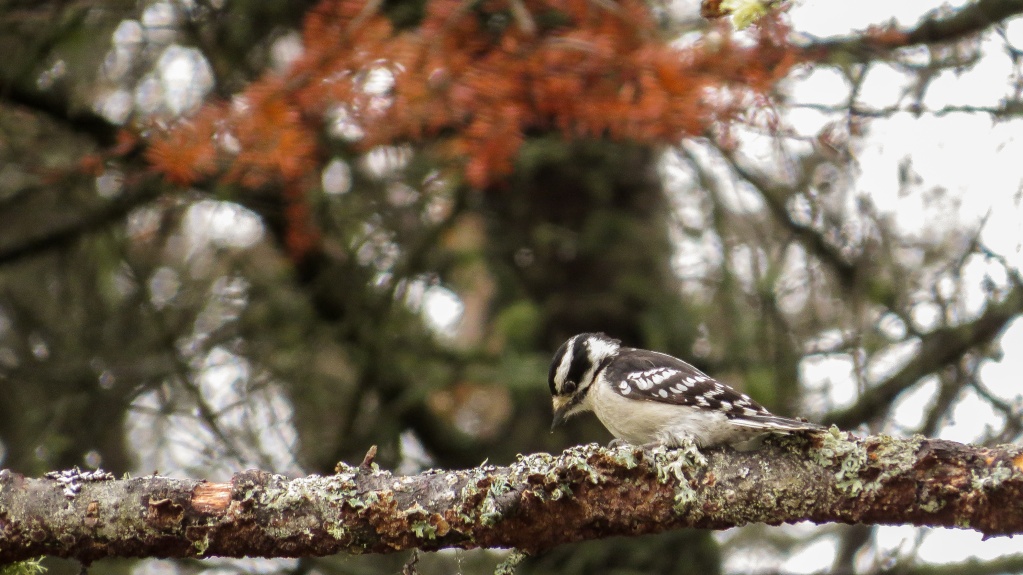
566	362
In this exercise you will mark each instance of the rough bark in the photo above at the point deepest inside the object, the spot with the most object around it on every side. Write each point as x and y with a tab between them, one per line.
538	502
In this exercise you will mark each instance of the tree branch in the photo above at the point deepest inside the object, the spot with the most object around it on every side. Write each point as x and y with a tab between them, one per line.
60	235
776	196
537	503
1004	564
938	349
56	105
960	23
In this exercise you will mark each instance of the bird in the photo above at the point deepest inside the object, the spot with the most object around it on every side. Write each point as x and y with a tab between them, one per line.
648	399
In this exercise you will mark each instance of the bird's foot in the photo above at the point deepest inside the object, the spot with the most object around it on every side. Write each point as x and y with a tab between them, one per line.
687	453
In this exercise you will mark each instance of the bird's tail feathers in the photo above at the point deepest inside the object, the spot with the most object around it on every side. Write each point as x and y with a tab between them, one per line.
775	423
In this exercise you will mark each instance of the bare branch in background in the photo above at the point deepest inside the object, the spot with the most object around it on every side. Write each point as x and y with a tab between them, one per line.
937	28
938	349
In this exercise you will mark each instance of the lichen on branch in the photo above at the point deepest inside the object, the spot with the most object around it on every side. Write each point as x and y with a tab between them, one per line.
537	502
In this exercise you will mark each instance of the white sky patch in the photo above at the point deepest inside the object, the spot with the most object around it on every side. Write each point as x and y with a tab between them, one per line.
442	309
827	86
941	149
947	545
158	15
177	440
971	420
336	178
414	457
1002	376
439	306
383	162
993	70
925	315
814	558
378	81
223	376
883	84
223	224
343	126
886	362
163	286
827	17
831	378
116	106
127	41
218	566
895	541
909	409
285	50
185	76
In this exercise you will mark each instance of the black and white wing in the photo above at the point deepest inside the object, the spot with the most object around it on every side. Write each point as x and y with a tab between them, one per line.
648	375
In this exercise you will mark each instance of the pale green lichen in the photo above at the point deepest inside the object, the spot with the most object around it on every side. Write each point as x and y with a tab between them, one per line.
676	466
577	458
507	567
893	457
625	456
424	529
201	545
685	495
489	512
890	458
992	479
745	12
28	567
563	490
280	496
363	502
343	468
337	531
851	456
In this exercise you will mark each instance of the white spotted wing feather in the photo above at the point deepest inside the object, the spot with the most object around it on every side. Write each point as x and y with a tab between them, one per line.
678	401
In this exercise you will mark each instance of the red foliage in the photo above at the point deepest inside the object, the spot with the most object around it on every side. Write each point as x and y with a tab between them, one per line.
476	77
188	152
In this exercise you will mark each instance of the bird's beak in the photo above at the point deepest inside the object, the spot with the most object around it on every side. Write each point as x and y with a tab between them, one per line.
561	407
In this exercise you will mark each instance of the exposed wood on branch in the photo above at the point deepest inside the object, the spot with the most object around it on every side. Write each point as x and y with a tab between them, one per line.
539	502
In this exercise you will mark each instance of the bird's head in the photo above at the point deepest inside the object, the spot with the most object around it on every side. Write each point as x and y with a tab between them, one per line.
573	370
